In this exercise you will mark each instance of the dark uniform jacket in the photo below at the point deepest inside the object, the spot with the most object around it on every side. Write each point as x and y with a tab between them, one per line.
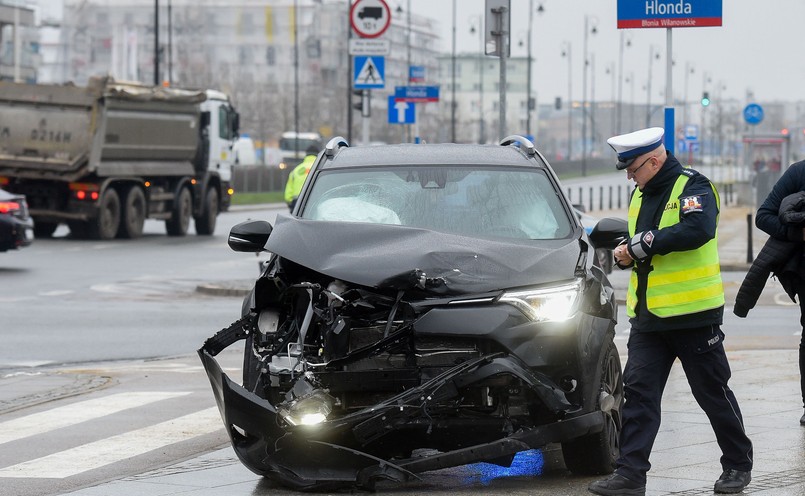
696	227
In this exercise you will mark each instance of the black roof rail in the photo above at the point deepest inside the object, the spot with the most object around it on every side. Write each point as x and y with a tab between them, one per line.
524	144
332	146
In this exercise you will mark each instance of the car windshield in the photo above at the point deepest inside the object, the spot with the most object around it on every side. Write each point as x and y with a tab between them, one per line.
511	203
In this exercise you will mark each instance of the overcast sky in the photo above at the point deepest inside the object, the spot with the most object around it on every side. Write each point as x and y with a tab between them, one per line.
759	48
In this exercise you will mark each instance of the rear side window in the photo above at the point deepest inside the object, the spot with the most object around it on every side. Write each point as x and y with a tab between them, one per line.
510	203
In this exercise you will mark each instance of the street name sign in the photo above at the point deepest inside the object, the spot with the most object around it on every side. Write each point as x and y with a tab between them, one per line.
669	13
416	93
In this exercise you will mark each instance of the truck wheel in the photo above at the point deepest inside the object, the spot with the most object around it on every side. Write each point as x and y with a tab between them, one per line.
133	218
596	454
105	225
205	223
180	216
44	229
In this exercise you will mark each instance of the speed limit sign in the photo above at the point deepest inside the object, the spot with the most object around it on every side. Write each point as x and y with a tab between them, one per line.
370	18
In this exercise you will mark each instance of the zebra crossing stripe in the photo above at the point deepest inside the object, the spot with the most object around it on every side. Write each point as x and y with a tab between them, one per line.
76	413
117	448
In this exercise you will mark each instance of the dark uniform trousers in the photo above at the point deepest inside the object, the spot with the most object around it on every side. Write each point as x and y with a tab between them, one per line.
704	361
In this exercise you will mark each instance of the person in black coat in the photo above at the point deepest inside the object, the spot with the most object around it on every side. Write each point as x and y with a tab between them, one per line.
768	220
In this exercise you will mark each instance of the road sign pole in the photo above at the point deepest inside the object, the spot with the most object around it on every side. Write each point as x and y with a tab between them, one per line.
367	112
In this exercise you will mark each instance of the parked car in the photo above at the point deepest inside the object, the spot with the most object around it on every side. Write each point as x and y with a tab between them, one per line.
16	226
423	307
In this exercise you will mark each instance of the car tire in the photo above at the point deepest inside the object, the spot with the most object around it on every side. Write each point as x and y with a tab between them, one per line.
44	229
133	214
596	454
205	223
180	216
105	225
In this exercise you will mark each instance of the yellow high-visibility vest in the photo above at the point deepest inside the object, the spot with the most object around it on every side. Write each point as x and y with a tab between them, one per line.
682	282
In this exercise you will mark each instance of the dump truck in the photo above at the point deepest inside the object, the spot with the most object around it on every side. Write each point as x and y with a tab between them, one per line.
104	157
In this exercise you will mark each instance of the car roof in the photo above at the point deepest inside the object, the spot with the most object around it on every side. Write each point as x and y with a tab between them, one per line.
429	154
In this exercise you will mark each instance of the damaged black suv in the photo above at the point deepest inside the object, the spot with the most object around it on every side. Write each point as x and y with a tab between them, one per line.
423	307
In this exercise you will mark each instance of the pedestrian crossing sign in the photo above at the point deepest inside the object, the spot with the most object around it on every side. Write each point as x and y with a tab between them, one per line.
369	72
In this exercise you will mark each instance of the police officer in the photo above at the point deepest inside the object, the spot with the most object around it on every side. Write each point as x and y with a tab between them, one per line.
298	175
675	304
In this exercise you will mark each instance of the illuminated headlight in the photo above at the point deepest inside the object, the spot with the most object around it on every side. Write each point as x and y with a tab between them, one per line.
551	304
313	409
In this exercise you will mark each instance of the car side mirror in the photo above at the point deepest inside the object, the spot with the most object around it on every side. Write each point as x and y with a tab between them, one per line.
250	236
609	232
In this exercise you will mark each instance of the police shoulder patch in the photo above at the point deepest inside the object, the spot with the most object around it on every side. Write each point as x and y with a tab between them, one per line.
691	204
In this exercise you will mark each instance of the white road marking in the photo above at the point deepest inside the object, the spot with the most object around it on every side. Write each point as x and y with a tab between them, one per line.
56	292
75	413
117	448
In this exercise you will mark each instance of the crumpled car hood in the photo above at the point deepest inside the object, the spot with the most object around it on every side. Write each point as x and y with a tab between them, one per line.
369	254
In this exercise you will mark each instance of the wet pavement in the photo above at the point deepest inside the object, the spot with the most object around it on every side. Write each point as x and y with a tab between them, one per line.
685	457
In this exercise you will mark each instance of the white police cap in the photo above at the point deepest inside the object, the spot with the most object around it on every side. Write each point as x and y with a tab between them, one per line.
632	145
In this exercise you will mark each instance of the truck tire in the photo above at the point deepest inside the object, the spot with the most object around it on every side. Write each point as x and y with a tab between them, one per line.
180	216
44	229
133	214
105	225
205	223
596	454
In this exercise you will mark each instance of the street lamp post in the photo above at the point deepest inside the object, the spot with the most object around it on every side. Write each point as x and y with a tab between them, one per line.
689	69
453	75
529	106
481	138
566	53
651	57
587	30
156	42
628	43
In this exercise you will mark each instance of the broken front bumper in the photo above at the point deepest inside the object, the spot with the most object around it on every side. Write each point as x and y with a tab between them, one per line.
331	454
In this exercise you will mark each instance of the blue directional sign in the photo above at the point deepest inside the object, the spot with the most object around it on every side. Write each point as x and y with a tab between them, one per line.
753	113
369	72
668	13
401	112
416	93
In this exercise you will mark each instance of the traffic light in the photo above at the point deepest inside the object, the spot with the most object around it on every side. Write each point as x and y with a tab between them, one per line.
705	99
557	103
362	103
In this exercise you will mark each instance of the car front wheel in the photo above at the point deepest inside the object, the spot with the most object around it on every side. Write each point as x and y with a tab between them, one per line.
596	454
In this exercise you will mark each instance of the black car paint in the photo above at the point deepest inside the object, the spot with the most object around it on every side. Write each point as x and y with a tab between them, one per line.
453	299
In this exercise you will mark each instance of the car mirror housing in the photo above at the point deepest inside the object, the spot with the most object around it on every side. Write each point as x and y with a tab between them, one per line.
250	236
609	232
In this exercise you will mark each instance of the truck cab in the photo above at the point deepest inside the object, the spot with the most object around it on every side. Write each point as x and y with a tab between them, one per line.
293	147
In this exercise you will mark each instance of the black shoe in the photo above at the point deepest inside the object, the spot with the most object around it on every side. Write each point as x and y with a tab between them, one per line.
732	481
802	419
617	485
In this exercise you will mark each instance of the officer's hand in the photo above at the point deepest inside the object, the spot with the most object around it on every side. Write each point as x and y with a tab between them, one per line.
623	259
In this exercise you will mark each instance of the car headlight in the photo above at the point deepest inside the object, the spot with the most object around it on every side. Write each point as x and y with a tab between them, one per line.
549	304
313	409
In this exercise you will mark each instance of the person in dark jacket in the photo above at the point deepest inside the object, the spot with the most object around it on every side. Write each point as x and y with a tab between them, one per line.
768	220
675	304
776	257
